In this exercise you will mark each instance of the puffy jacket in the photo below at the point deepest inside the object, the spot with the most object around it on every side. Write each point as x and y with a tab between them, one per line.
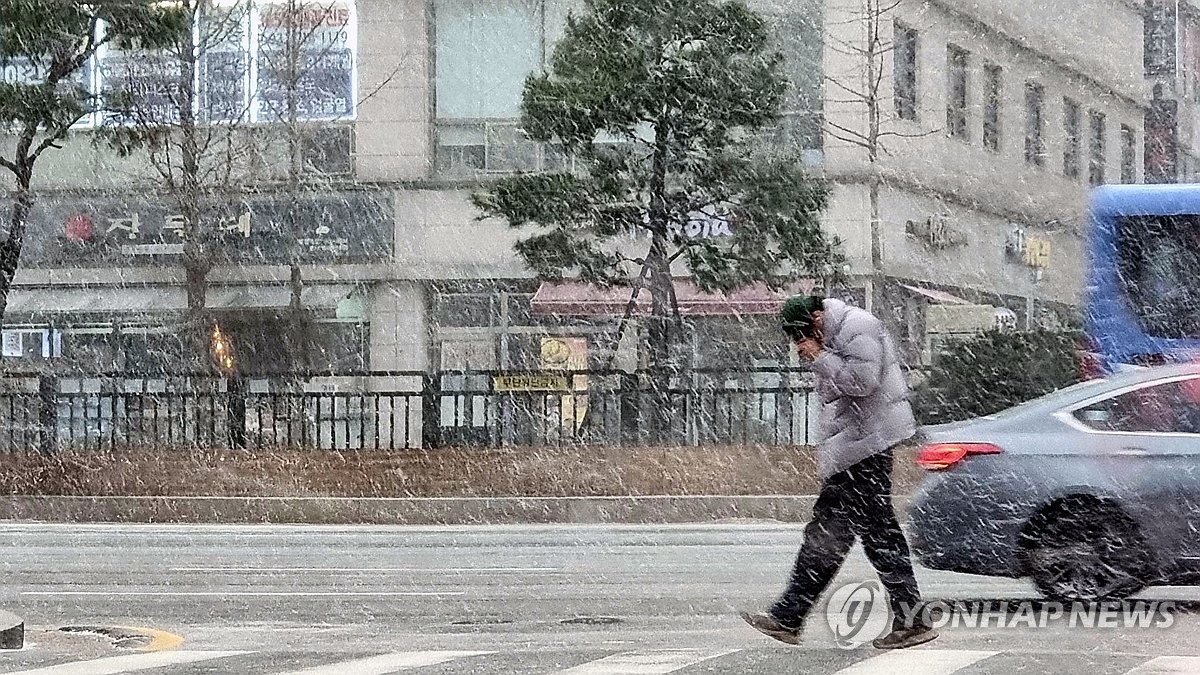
864	394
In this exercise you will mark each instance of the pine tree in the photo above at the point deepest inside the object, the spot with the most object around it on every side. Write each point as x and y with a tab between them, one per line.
52	41
684	88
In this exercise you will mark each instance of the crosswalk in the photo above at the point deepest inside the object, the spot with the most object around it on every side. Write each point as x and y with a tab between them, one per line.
644	662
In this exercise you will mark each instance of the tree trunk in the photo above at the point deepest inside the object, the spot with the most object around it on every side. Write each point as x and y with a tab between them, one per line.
661	340
10	249
298	342
197	259
874	71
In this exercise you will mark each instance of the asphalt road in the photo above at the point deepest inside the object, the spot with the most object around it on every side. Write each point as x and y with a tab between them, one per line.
438	600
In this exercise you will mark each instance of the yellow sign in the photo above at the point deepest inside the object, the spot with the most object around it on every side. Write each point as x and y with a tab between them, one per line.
1037	252
530	383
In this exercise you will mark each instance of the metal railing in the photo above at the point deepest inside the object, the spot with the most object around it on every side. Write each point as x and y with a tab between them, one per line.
406	410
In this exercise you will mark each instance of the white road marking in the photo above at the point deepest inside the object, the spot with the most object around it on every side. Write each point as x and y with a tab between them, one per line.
924	661
128	663
386	663
449	570
1169	665
223	594
646	663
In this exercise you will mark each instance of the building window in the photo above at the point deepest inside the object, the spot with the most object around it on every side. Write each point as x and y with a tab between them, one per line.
957	92
1035	138
1096	165
254	61
1128	154
1072	138
993	91
483	52
905	72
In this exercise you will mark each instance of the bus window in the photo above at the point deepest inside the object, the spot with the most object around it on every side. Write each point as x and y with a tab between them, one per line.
1157	262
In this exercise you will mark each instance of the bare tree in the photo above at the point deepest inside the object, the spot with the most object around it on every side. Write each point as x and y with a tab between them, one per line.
181	104
867	49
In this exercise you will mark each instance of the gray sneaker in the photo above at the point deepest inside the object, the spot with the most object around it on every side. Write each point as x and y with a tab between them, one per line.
768	625
901	638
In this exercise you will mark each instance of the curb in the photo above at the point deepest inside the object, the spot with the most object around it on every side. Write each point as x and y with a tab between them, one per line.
415	511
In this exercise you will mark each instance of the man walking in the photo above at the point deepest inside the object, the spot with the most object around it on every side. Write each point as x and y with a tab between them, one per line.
865	413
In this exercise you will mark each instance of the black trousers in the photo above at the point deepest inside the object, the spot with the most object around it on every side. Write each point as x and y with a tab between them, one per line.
856	502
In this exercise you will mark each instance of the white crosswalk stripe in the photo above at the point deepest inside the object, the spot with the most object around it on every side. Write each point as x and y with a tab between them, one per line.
128	663
386	663
655	662
1169	665
924	661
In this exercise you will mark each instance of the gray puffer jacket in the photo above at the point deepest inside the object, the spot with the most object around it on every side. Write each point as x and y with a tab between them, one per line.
864	394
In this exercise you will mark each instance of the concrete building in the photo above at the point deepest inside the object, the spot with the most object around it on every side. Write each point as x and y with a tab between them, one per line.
996	118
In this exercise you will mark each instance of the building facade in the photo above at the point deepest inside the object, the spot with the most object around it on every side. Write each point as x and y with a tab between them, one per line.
996	119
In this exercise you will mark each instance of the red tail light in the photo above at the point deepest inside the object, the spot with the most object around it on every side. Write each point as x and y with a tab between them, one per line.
1091	366
938	456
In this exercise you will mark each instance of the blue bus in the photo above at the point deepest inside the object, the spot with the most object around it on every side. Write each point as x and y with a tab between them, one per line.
1142	298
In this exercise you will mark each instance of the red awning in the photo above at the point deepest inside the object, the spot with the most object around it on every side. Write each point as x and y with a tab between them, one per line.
570	298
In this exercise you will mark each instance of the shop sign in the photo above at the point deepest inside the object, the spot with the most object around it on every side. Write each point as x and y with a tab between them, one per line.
530	382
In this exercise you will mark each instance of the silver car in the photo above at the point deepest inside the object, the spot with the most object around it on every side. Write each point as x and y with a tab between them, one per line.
1092	491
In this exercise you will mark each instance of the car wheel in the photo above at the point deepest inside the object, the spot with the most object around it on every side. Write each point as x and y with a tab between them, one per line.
1087	554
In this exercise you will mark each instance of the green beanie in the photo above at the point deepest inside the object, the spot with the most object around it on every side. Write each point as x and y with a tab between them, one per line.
797	314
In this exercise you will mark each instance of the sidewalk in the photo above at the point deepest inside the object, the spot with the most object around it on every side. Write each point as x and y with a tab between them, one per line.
412	511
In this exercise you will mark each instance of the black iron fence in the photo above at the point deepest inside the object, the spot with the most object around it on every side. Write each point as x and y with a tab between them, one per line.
406	410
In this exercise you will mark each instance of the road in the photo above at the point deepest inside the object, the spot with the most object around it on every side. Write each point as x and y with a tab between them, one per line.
539	599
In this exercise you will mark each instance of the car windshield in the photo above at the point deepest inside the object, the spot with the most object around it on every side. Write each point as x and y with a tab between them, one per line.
1065	392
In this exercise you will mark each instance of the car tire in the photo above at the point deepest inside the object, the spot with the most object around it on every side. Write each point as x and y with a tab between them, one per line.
1086	553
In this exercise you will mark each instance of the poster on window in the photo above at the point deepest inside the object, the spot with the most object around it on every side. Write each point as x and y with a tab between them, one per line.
305	55
139	86
13	346
224	62
23	70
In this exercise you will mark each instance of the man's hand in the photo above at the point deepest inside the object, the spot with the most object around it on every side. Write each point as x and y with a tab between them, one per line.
808	348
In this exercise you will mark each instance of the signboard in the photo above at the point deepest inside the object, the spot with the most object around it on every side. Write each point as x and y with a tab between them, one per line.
530	382
1037	252
1160	38
338	227
324	86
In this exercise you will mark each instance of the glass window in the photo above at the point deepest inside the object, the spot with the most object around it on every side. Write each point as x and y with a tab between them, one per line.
905	72
340	346
1097	162
484	50
1035	141
1072	143
1157	263
151	353
993	92
465	310
1166	408
1128	154
957	92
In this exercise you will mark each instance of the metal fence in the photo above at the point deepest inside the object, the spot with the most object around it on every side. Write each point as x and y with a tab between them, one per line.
405	410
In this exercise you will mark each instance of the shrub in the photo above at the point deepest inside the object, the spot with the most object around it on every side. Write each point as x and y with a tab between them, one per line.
996	370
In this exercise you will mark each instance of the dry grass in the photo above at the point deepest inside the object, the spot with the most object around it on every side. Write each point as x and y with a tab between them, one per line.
434	473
